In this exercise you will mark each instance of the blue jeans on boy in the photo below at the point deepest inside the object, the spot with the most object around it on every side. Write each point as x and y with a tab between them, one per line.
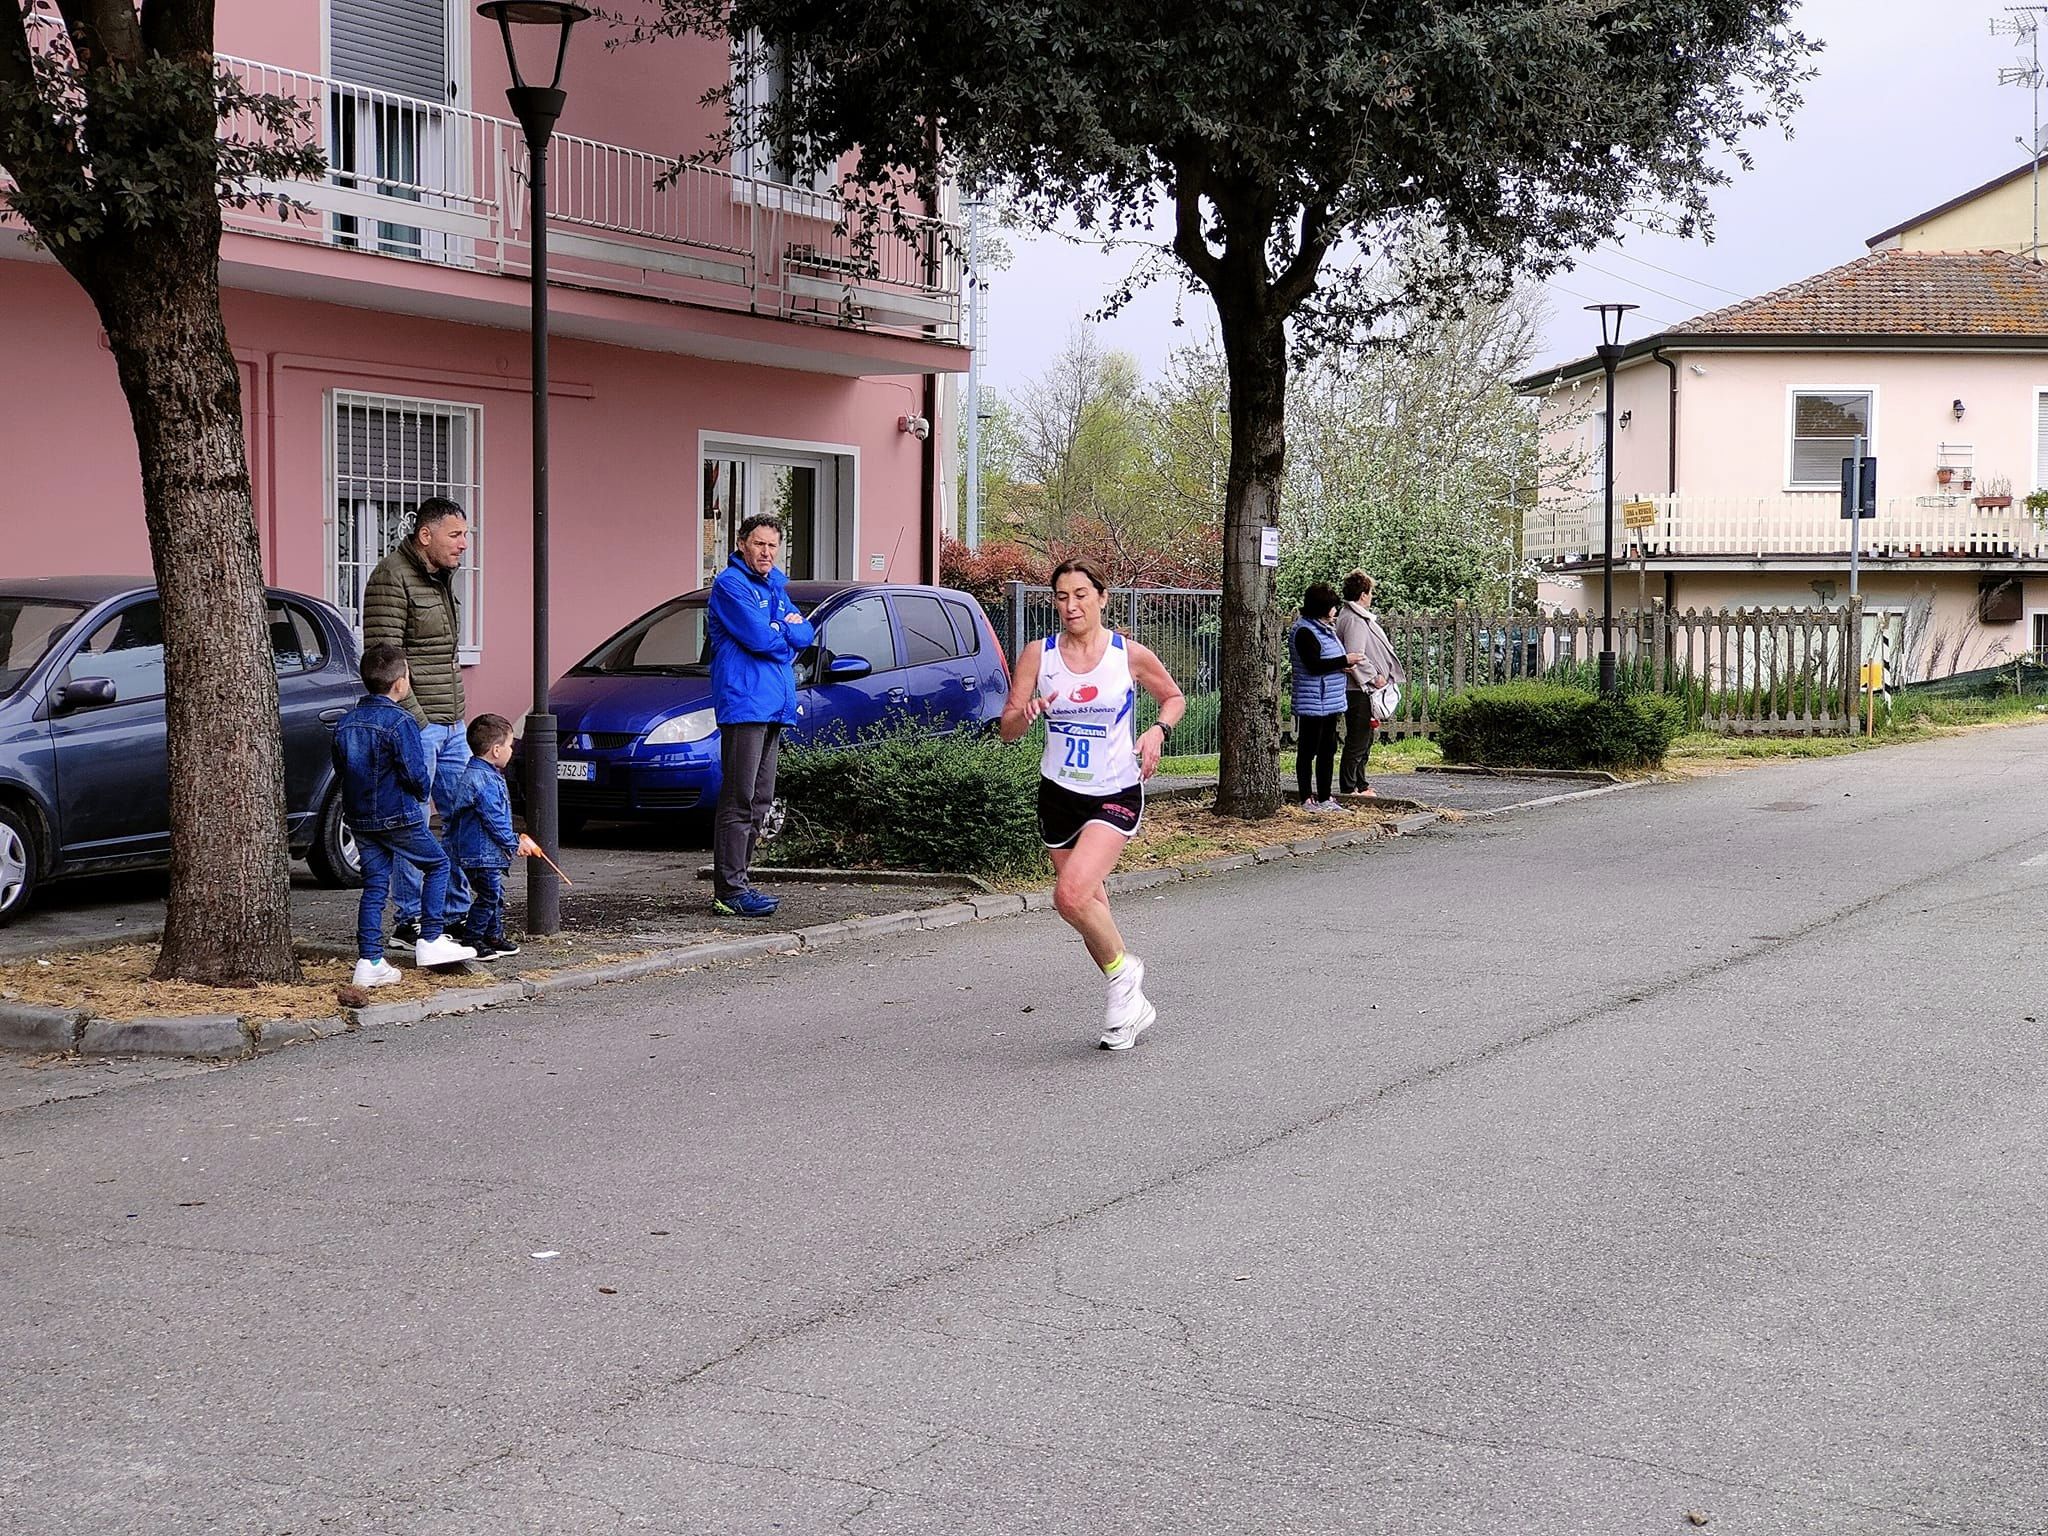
447	755
487	910
413	850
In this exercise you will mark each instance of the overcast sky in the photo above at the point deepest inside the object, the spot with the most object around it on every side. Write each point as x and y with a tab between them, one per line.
1906	113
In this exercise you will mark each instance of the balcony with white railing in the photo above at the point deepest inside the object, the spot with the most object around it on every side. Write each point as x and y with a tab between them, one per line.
1793	530
419	181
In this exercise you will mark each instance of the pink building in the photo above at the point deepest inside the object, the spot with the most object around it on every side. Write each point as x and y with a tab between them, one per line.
719	346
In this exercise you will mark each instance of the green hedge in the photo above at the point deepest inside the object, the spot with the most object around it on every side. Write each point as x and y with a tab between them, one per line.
1544	725
907	800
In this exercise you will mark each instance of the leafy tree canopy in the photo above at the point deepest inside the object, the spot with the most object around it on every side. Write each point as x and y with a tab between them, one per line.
1520	129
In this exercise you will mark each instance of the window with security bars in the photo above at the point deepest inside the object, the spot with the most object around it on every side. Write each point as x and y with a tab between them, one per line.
1825	426
390	454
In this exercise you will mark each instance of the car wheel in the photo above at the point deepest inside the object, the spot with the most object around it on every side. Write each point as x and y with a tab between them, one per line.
333	856
569	823
17	863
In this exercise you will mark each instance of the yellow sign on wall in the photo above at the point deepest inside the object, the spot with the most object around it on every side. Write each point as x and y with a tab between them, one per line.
1638	514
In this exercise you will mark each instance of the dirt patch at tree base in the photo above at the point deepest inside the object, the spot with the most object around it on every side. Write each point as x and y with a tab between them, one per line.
1185	831
116	984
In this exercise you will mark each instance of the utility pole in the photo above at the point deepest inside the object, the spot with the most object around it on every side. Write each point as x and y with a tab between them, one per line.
2022	23
977	340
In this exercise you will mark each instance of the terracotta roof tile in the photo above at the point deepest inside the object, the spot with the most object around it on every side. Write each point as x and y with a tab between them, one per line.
1897	293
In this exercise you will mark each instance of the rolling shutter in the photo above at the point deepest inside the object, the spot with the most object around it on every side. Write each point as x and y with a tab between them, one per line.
1824	432
392	45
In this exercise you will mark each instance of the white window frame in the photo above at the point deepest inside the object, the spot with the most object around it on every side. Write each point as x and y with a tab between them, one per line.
2040	479
2035	617
469	492
1792	394
841	462
751	181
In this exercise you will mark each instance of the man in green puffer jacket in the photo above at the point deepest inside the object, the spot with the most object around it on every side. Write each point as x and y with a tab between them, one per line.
410	603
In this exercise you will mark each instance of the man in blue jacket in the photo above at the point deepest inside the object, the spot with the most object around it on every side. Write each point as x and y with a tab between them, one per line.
756	633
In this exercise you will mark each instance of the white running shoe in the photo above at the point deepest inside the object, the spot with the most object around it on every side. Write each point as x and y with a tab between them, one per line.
375	973
441	951
1129	1014
1121	1037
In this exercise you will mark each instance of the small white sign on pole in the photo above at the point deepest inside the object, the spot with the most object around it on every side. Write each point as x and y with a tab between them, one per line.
1269	546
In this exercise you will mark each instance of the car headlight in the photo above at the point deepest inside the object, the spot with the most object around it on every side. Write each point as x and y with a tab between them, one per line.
695	726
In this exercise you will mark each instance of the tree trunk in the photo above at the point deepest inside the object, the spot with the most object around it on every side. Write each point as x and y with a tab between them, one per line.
229	916
1256	349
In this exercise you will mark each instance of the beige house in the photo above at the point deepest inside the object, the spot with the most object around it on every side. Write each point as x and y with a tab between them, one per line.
1734	426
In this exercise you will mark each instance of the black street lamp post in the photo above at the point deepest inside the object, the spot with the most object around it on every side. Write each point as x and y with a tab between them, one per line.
538	107
1610	358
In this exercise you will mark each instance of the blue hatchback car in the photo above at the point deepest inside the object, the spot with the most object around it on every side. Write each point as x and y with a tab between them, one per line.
638	741
83	777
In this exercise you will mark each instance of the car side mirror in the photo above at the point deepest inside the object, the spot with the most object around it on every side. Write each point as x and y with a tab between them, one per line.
83	693
847	669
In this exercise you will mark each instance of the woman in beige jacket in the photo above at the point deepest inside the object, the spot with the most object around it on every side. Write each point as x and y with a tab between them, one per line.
1360	632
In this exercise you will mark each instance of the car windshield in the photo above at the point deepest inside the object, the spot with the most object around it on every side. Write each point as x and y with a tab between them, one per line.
29	626
669	642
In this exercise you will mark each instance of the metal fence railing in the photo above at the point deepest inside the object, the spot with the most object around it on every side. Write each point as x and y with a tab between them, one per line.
1740	671
1182	625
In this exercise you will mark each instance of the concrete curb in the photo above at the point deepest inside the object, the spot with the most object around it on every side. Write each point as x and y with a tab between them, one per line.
35	1027
1474	770
1574	794
772	874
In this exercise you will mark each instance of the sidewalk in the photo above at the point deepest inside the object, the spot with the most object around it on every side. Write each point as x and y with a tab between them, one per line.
638	906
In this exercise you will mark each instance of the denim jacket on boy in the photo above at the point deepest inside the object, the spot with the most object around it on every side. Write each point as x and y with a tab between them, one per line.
383	766
480	831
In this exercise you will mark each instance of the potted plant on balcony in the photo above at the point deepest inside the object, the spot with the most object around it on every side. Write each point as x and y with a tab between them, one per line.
2037	508
1943	473
1997	492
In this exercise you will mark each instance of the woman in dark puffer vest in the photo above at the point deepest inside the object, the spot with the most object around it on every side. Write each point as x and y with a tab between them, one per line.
1319	661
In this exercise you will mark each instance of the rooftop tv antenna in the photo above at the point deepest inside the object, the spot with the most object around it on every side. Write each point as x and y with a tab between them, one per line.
2022	23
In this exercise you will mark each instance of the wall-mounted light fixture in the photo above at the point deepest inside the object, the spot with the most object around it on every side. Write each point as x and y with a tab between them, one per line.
1626	418
1697	369
1959	410
916	426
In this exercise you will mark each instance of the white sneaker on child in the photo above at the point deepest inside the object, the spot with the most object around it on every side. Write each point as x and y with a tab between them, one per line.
375	973
441	951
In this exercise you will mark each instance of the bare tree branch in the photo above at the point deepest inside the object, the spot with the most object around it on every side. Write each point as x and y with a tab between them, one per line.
1189	242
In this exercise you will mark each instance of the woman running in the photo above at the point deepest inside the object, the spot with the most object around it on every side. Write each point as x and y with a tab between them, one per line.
1091	796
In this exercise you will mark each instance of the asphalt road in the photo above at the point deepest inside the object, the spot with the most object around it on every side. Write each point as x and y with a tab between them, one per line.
1674	1152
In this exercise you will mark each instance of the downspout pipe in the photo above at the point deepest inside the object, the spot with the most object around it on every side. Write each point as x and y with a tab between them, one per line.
928	484
1670	422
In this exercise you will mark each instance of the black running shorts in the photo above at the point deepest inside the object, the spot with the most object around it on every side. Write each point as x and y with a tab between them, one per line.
1062	813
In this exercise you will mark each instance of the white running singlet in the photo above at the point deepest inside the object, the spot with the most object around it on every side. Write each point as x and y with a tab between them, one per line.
1088	717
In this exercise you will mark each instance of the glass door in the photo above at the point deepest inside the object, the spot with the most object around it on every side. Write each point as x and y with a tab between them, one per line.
801	490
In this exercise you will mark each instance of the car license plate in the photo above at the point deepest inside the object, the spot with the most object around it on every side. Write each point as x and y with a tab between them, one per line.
581	772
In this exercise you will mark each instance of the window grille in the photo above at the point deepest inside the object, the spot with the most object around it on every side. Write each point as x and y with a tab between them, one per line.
387	455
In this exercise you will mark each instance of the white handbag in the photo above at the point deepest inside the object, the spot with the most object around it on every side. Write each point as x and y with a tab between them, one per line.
1386	700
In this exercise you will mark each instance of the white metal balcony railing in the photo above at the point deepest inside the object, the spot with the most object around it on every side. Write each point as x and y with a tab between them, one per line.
411	178
1786	527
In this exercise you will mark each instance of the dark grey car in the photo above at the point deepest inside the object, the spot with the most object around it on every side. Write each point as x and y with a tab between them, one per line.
83	777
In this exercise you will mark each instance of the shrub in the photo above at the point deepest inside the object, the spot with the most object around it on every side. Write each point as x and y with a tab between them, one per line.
1544	725
1200	728
904	799
987	572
